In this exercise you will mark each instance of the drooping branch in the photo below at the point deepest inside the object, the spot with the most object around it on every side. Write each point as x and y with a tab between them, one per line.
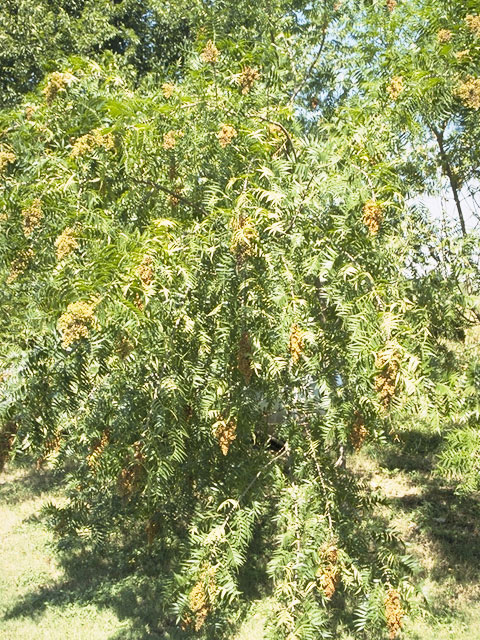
169	192
281	127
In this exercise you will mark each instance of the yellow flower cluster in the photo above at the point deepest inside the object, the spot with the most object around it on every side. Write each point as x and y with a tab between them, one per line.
210	54
393	612
7	437
32	216
469	93
444	35
145	270
226	134
66	243
244	234
93	458
296	342
19	264
90	141
174	199
388	363
358	432
372	216
30	111
128	481
6	157
170	138
168	89
396	87
199	605
75	323
247	78
328	580
473	23
225	433
244	357
201	598
57	82
391	4
328	574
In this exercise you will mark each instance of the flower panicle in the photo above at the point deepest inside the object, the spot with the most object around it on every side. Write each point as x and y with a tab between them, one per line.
32	216
394	613
57	82
170	139
76	322
296	343
247	79
469	93
19	265
473	23
66	243
210	53
226	134
396	87
91	141
225	433
7	156
372	216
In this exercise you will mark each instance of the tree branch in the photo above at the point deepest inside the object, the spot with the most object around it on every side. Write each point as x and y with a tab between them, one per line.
439	135
169	192
280	126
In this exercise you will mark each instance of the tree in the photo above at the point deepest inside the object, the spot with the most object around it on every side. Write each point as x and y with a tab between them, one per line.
408	79
206	309
37	35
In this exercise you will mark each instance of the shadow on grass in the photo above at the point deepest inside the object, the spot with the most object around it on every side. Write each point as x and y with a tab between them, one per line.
30	484
453	524
416	451
128	582
446	531
449	522
107	580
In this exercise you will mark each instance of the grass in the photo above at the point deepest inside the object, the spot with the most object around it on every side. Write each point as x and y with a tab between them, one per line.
442	531
90	599
33	602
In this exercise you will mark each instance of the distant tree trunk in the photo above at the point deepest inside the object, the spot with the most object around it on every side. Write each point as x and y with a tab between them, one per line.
451	176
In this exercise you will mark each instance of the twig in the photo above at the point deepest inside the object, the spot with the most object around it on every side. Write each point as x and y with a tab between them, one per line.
368	179
445	163
285	449
280	126
320	477
169	192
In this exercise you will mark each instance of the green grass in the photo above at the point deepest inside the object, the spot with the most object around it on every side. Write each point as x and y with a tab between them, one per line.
91	599
442	531
35	602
